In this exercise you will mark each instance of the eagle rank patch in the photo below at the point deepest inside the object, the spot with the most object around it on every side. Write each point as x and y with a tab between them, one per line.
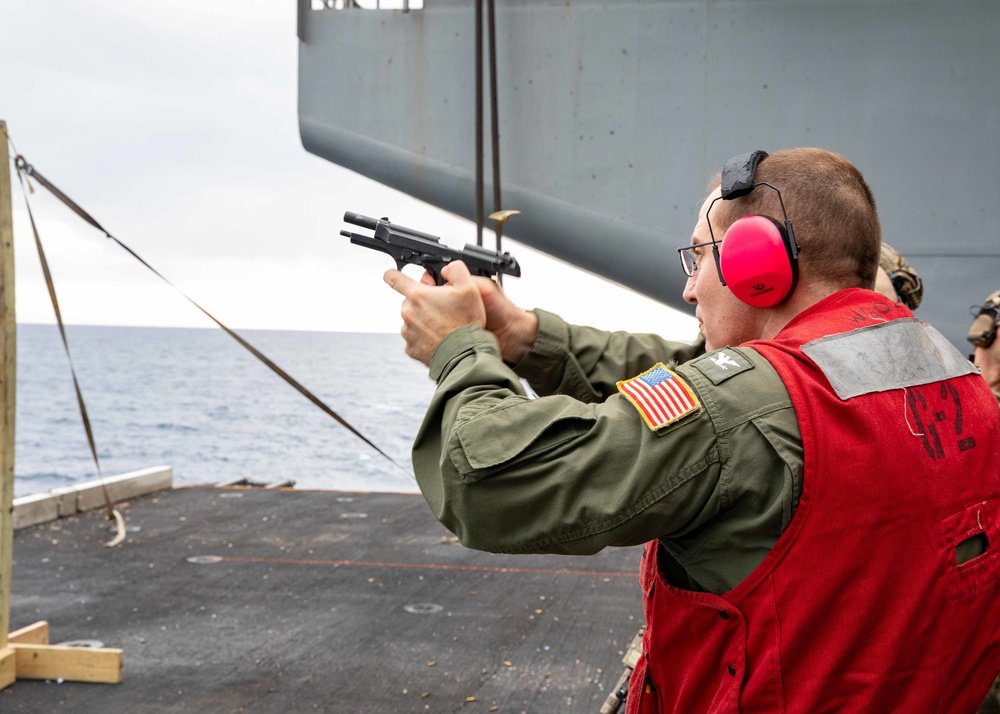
661	396
722	364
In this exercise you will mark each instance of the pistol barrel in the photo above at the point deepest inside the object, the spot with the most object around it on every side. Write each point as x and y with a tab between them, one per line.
359	220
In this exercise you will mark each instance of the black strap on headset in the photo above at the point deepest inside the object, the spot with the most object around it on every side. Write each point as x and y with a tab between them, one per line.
738	173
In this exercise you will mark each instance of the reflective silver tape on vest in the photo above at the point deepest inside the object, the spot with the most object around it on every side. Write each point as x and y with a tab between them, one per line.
893	355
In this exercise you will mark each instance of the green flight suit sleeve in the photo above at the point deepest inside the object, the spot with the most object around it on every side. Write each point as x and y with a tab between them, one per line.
507	473
587	363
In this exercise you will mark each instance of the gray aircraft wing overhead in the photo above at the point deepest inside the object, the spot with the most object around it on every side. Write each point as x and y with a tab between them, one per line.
614	115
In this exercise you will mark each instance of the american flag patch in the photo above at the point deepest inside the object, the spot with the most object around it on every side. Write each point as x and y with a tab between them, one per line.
660	395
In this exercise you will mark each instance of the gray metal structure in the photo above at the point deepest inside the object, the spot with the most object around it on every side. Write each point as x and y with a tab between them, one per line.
614	115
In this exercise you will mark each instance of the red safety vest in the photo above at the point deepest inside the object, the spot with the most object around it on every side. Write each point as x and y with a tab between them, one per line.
861	606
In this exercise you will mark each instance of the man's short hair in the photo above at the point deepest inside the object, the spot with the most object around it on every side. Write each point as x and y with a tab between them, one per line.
831	208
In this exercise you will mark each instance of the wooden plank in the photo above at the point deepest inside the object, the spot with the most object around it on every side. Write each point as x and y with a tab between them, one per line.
37	634
8	355
72	664
8	667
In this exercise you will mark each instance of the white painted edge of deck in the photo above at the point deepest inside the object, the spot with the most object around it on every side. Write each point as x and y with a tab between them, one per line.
61	502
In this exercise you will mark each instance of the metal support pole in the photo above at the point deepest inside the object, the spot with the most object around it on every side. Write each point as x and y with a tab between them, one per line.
479	121
494	121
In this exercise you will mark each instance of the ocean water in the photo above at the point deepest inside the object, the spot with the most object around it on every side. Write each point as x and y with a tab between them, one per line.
197	401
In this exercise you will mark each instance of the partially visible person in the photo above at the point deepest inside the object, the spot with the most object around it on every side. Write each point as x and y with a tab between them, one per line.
897	280
983	336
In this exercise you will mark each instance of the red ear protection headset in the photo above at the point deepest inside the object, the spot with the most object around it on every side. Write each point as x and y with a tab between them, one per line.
760	259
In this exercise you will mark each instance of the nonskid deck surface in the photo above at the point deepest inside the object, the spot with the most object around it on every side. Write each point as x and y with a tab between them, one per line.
306	601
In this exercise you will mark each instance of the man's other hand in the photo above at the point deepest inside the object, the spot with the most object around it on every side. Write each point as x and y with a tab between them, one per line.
515	329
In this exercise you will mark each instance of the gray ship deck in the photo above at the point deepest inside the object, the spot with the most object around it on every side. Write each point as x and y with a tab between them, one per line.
322	601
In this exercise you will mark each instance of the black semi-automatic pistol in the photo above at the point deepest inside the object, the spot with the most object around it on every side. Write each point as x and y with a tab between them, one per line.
408	246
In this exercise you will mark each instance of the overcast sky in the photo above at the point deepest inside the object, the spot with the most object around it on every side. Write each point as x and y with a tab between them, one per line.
174	124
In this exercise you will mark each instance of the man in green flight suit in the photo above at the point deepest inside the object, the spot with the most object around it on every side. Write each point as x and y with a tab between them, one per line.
713	479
